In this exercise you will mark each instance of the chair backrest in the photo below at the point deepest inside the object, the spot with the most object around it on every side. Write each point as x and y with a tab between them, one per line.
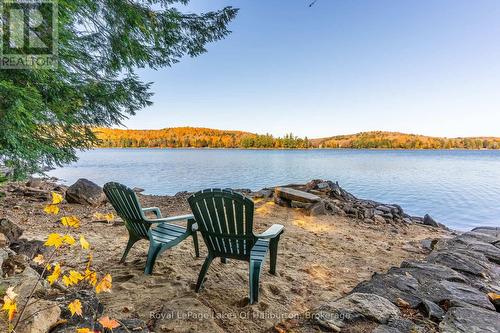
225	220
127	206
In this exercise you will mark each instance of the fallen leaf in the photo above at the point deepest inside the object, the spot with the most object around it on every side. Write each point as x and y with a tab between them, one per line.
83	242
75	307
51	209
56	198
104	285
109	323
70	221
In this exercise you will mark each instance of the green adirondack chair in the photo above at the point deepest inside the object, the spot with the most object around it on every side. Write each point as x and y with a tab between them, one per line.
225	220
161	234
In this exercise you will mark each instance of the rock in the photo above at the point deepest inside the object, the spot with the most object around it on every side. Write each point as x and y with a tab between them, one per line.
4	241
138	190
385	329
85	192
317	209
132	325
492	231
281	202
470	320
91	309
431	310
392	287
4	255
39	317
10	230
384	209
379	219
35	182
24	282
428	220
264	193
461	261
323	186
296	195
298	204
354	308
29	248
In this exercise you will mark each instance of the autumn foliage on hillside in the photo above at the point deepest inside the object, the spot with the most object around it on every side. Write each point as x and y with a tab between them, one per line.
394	140
194	137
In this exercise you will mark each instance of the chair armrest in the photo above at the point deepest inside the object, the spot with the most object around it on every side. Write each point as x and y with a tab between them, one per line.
155	210
273	231
171	219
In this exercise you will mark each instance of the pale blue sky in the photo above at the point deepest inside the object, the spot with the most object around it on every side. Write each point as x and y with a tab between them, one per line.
342	66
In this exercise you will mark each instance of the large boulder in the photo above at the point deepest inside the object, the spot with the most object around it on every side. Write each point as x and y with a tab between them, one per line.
355	307
40	316
470	320
85	192
10	230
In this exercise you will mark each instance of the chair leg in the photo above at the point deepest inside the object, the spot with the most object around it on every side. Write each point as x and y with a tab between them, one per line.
273	247
130	243
152	254
255	268
196	246
203	272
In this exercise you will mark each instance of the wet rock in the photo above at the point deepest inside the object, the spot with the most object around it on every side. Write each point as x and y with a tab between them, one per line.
470	320
10	230
428	220
39	317
85	192
354	308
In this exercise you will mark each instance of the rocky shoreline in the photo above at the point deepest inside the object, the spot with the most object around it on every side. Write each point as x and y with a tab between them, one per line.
454	289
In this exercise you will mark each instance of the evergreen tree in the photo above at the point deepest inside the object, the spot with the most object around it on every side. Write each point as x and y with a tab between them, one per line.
47	114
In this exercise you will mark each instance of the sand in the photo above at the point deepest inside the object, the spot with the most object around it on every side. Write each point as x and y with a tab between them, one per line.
320	259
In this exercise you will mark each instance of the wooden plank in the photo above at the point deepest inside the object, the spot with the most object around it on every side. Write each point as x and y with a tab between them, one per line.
296	195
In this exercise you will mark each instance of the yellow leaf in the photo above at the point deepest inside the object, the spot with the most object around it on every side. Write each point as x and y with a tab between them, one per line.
51	209
108	323
104	285
54	240
70	221
55	274
10	307
66	280
56	198
83	242
68	239
75	307
39	259
109	217
91	277
83	330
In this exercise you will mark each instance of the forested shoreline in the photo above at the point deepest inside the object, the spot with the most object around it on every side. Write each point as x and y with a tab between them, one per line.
193	137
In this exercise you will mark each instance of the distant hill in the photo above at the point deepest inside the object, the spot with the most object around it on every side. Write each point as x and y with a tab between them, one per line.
395	140
198	137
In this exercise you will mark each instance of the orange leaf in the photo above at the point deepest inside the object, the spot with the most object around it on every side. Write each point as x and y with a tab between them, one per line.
104	285
106	322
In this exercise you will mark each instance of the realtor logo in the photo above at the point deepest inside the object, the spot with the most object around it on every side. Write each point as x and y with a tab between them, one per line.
28	31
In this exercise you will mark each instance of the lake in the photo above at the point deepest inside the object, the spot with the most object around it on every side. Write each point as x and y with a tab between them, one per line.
458	188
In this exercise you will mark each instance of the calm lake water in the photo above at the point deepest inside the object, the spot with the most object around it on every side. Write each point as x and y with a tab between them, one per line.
458	188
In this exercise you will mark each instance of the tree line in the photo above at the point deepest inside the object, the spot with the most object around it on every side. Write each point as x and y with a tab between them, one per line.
191	137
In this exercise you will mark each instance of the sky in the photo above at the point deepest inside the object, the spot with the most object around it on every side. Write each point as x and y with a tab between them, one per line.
427	67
